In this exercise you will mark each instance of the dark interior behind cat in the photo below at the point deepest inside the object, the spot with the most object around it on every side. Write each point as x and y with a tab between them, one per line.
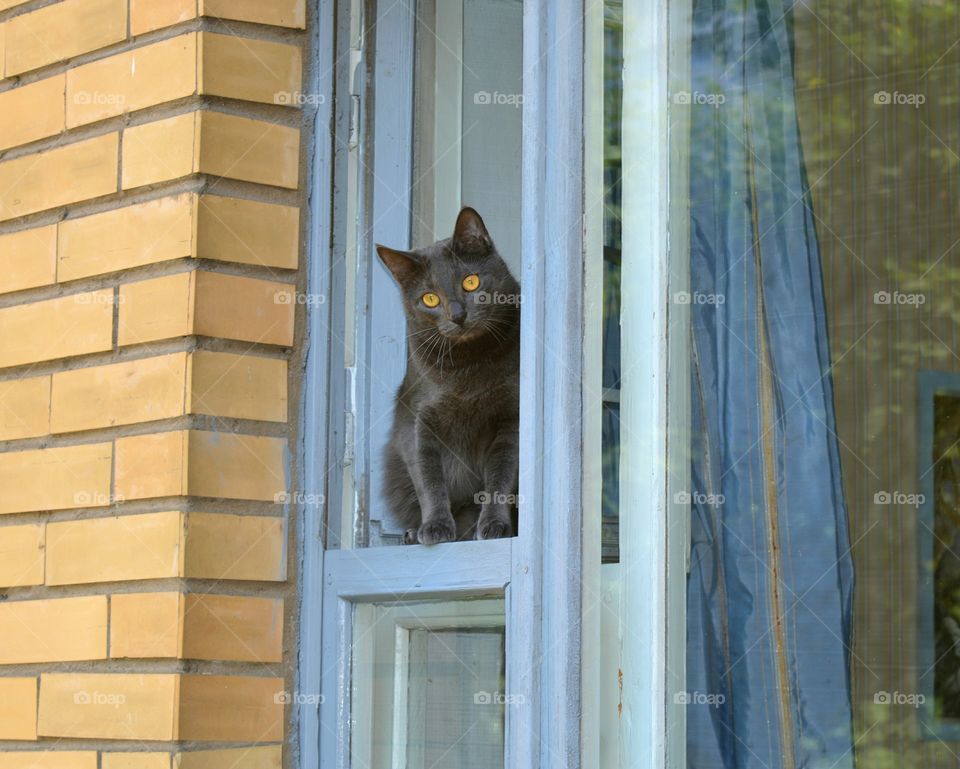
451	461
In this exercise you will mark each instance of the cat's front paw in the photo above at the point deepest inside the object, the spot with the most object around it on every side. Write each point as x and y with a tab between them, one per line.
494	528
434	532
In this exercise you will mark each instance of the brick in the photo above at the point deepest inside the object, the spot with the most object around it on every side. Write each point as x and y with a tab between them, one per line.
236	466
116	549
148	15
249	150
33	631
162	387
126	393
54	478
146	625
24	408
133	80
238	547
18	709
229	627
251	757
108	706
206	627
56	328
238	386
58	759
57	177
247	231
200	463
247	309
253	70
152	465
28	258
159	308
141	760
146	233
61	31
230	708
279	13
163	150
211	143
21	555
181	226
32	112
207	304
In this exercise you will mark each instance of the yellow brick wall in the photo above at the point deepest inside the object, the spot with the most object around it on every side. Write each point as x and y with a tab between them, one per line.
151	219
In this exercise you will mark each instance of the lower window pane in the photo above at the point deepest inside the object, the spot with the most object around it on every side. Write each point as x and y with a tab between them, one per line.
429	689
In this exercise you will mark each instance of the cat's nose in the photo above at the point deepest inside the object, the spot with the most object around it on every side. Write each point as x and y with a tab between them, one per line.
457	312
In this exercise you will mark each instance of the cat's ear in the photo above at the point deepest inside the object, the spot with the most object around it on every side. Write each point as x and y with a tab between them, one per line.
470	233
402	264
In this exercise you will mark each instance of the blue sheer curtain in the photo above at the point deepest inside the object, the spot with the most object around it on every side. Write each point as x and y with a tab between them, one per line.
769	596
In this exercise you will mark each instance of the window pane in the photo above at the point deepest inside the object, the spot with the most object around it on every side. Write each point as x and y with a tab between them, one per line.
946	552
467	132
823	613
429	685
612	111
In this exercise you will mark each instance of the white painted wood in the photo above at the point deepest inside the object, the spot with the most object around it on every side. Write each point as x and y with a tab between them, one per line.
610	662
655	389
454	569
598	686
317	392
545	605
404	655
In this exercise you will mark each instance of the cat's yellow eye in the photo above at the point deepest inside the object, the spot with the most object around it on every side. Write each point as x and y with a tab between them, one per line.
471	283
430	299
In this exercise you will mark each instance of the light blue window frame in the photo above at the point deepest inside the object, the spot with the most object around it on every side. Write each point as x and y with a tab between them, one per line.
546	571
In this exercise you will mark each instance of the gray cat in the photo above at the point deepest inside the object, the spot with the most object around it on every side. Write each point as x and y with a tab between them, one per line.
451	462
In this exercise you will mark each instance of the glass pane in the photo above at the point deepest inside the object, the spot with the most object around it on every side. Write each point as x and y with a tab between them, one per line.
429	685
460	88
946	552
823	600
453	721
467	119
612	165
